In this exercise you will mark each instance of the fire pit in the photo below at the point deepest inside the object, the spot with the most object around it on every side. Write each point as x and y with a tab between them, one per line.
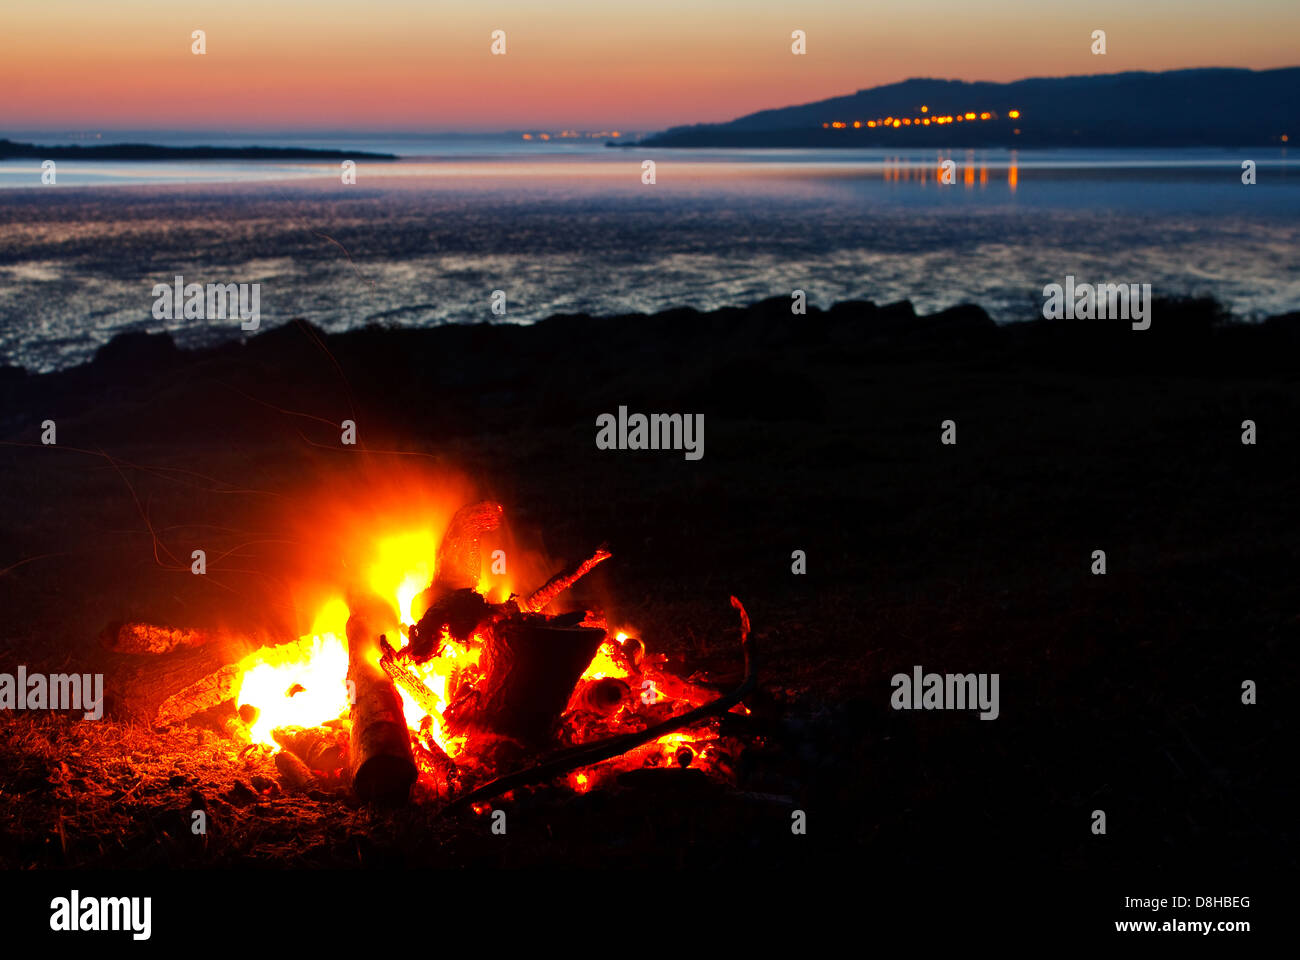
445	689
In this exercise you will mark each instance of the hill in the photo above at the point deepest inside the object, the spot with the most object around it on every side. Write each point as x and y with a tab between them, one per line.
1202	107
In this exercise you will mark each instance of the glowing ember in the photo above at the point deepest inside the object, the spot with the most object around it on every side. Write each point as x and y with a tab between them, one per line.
436	674
683	747
608	662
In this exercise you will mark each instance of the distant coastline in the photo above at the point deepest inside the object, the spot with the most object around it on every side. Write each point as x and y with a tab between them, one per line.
9	150
1211	107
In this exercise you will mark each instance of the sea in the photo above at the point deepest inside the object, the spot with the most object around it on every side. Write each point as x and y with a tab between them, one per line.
573	225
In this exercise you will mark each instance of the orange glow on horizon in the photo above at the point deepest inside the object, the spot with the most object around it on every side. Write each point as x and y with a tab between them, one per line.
401	65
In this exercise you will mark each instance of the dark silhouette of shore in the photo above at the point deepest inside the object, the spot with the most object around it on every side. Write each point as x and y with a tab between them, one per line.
9	150
1177	108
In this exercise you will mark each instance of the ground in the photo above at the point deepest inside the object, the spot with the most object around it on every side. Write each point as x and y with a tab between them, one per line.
1120	692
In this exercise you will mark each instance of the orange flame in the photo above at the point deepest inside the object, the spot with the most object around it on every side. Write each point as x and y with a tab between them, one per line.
383	537
298	684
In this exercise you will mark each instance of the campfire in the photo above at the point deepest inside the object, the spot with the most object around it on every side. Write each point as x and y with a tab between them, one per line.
432	681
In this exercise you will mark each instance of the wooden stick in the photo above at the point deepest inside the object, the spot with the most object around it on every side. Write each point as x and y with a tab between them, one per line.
562	581
405	679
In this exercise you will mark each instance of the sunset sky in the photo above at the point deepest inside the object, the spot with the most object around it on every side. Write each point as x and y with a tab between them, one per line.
424	65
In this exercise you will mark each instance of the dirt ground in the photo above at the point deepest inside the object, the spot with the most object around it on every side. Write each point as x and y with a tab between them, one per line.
1119	692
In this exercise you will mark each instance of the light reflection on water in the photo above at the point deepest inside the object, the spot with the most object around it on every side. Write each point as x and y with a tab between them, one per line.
425	241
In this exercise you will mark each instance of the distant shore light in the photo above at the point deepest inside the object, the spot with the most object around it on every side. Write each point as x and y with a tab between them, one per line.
939	120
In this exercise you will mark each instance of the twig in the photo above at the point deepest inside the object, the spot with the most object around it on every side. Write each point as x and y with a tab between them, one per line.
553	587
405	679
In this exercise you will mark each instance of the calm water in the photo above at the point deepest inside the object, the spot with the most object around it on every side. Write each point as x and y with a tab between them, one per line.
569	226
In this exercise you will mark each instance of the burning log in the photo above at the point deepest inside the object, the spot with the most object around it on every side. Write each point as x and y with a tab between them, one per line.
405	679
166	689
459	564
553	587
452	600
318	747
440	769
459	613
216	688
293	771
169	688
603	696
530	666
135	637
380	759
583	755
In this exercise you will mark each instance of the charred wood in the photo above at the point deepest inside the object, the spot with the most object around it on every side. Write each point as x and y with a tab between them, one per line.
380	760
529	669
584	755
135	637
